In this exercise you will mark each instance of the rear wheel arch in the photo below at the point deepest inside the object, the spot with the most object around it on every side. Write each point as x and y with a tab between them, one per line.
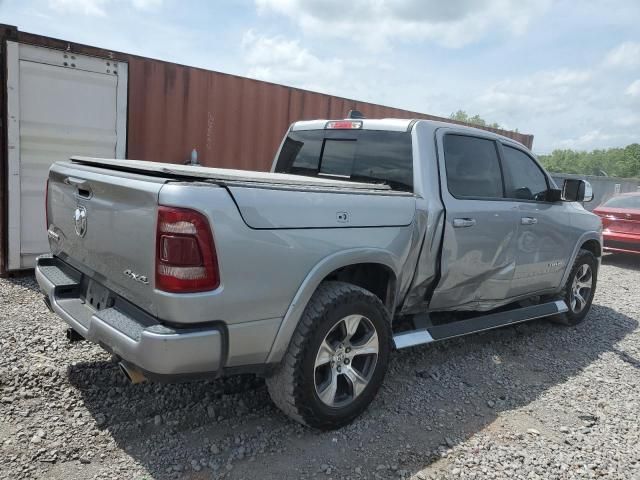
348	263
376	278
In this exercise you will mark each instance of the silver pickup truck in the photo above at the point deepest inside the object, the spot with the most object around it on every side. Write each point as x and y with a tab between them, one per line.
367	235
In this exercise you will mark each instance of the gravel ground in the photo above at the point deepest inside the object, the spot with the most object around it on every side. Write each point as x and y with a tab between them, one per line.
536	401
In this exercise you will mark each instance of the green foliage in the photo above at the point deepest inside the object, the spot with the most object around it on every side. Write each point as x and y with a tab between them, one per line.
463	116
615	162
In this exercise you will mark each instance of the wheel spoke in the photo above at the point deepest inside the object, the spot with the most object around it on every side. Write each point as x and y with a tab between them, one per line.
351	324
584	284
324	354
368	347
328	394
581	271
357	381
584	275
581	301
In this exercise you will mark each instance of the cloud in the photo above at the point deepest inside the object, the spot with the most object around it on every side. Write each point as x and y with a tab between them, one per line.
146	4
452	23
565	108
98	8
626	55
633	90
85	7
545	92
282	60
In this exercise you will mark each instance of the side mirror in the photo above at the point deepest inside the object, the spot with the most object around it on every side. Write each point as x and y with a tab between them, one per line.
575	190
553	195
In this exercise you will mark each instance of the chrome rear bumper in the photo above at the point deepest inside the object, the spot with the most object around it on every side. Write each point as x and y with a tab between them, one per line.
127	331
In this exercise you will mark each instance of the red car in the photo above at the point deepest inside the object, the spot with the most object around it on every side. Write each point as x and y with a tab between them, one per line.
621	223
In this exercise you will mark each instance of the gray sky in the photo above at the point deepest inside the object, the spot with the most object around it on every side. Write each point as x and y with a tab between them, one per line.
566	71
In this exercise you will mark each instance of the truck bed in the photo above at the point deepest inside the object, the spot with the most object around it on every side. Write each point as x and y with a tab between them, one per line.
230	176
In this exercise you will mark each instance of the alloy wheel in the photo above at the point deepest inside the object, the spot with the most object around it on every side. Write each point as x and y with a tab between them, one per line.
346	361
581	288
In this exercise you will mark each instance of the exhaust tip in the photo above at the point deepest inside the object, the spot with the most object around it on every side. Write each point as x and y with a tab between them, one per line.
134	375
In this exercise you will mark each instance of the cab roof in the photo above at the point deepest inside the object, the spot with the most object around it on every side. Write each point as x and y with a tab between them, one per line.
398	125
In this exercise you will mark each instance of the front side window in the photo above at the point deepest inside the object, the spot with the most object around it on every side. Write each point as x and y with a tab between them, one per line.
372	156
473	167
523	179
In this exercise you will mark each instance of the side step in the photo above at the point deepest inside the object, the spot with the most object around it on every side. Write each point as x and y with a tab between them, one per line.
431	334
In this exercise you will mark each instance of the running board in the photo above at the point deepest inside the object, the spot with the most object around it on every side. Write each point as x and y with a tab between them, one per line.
422	336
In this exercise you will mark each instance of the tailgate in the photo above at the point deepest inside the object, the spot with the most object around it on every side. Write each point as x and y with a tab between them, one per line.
104	223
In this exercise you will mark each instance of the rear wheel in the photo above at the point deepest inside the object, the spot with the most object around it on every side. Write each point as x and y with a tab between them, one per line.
337	358
580	288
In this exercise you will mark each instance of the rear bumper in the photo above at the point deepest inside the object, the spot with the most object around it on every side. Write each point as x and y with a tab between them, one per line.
127	331
621	242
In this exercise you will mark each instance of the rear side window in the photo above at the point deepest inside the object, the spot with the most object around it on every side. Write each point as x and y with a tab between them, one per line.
473	167
523	179
371	156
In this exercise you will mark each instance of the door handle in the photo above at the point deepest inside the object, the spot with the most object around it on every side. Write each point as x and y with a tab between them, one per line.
463	222
76	182
528	220
82	186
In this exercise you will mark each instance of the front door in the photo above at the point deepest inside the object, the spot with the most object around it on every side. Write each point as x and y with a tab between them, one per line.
478	252
546	237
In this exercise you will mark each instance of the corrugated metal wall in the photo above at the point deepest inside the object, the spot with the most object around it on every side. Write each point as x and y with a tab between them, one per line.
231	121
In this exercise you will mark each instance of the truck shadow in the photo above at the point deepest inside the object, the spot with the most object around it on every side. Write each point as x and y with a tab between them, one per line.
433	398
622	260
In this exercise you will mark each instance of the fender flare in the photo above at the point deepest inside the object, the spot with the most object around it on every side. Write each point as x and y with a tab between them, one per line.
311	282
585	237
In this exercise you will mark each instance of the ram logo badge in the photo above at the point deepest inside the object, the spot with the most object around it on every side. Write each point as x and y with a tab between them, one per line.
80	220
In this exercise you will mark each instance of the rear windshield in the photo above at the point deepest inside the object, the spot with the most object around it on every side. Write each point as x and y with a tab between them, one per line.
371	156
631	201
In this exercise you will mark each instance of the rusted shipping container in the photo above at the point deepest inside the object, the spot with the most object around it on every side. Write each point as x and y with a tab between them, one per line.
231	121
172	109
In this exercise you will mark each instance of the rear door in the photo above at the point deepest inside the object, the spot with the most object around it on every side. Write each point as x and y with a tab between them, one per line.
478	252
546	238
60	104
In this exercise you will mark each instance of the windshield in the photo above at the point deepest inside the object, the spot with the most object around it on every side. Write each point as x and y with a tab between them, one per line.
372	156
631	201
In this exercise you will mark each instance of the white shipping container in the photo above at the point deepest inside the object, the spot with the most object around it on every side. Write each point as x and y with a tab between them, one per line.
59	104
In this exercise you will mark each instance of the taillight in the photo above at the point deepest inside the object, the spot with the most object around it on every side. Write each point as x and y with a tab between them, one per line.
607	220
46	205
186	258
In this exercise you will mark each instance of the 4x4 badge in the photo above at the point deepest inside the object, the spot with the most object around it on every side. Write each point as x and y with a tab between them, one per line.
80	219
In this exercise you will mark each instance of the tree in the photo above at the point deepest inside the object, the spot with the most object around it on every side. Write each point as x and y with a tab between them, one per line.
616	162
462	116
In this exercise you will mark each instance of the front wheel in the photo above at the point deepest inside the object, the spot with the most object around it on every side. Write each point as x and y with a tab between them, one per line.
580	288
337	358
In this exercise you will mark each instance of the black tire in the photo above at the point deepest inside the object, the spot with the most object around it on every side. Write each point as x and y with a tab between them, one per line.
585	257
293	386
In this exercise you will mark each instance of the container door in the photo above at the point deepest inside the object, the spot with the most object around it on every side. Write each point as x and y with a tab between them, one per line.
60	104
